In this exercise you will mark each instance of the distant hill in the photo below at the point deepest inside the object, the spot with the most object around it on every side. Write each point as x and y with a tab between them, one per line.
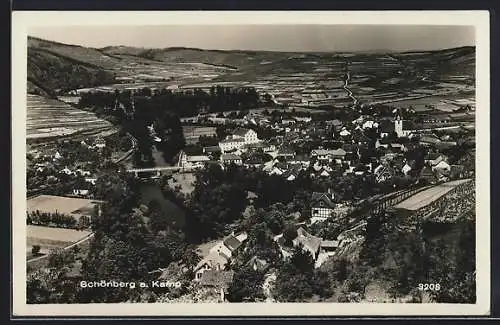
54	67
231	59
448	62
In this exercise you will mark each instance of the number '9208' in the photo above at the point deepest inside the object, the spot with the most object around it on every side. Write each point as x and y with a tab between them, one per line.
429	286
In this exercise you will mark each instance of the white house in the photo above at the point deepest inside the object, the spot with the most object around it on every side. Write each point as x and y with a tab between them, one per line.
219	255
99	143
238	140
228	158
369	125
67	171
83	172
195	161
80	192
249	135
230	144
309	243
91	180
442	166
322	154
344	133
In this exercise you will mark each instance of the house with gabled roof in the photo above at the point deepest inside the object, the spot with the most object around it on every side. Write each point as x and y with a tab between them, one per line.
258	264
249	135
292	173
219	255
335	124
382	173
308	242
286	153
322	204
229	158
218	280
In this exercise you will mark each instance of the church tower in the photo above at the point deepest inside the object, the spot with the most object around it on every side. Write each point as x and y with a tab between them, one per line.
398	126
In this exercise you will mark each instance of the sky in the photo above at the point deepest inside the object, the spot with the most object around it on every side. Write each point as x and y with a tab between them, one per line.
300	38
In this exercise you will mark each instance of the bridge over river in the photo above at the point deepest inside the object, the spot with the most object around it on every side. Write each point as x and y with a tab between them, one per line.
158	170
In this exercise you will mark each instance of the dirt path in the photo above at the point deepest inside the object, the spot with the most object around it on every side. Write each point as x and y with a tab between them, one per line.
349	92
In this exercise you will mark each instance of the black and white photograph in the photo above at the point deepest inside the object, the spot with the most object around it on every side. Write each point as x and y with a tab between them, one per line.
239	165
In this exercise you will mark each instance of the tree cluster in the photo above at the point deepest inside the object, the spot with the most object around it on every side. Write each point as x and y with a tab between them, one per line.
298	281
51	219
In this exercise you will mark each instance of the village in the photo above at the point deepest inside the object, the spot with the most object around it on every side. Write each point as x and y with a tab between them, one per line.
249	176
382	149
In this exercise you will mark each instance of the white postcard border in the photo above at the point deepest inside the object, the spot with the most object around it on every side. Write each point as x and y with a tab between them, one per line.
21	21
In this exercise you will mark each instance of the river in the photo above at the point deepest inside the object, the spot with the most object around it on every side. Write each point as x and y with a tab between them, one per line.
151	191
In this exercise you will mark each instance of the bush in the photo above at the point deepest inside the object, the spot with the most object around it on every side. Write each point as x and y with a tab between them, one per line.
35	250
290	234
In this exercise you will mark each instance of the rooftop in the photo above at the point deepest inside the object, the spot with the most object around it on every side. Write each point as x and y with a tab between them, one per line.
216	278
241	132
312	243
229	156
232	242
214	259
197	158
330	243
230	140
322	198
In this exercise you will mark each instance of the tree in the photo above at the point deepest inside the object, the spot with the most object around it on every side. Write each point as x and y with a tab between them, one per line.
59	258
374	240
191	256
35	250
455	270
301	260
157	218
36	290
356	283
246	286
289	234
214	204
340	270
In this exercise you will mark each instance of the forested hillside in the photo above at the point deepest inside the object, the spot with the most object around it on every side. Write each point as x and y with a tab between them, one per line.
50	72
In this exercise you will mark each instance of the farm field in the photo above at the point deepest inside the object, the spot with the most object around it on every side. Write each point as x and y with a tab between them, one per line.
445	103
51	238
63	205
291	78
50	118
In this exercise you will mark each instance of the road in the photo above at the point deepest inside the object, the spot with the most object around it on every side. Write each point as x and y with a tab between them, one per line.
349	92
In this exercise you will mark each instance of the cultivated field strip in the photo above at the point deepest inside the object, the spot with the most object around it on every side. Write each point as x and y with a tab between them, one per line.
49	118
